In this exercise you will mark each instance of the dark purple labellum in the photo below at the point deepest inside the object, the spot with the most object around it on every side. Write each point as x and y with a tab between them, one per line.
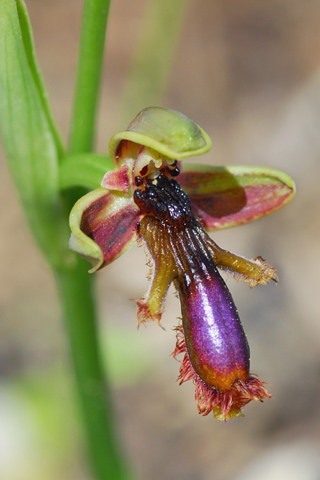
212	340
215	340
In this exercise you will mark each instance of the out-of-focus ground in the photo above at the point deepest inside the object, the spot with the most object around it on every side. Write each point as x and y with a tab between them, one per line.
249	73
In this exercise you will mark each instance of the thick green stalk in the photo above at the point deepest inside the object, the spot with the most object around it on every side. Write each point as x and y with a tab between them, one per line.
77	301
92	42
76	285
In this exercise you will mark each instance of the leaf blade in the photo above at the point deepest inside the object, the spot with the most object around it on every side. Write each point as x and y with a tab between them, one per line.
29	140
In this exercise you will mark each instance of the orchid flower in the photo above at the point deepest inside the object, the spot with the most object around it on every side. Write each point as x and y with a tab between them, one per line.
153	198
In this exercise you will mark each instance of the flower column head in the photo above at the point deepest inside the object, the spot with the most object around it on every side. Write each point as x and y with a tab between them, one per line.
142	200
103	222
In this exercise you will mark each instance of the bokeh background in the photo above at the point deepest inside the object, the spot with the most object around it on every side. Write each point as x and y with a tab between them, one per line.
249	73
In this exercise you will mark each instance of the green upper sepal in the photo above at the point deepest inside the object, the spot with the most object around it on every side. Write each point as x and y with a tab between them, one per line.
168	132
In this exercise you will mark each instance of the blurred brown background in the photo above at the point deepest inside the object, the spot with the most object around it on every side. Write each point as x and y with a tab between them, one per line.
249	73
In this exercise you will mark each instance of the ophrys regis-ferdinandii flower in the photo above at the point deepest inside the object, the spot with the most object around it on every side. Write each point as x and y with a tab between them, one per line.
152	198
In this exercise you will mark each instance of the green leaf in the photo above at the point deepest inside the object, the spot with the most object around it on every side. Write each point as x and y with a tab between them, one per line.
28	43
83	170
30	140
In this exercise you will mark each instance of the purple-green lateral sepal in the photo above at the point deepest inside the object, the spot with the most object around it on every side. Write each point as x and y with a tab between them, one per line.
224	197
103	226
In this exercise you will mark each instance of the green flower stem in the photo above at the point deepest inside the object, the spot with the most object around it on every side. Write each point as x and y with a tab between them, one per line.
92	42
76	293
75	284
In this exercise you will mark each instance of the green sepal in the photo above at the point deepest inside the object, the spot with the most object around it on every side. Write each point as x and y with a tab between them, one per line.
168	132
29	137
83	170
